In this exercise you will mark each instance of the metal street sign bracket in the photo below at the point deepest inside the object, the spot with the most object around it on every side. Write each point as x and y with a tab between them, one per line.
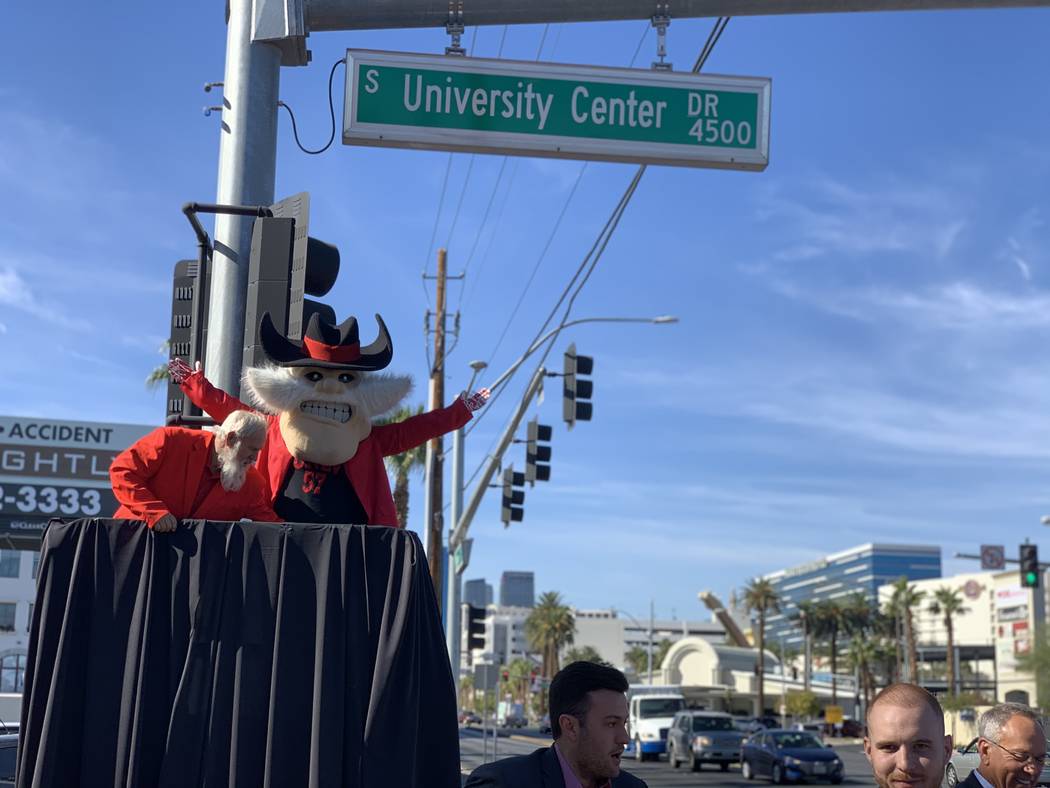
661	21
454	27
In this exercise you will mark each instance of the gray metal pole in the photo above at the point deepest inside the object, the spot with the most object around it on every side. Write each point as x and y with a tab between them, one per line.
490	470
247	170
650	642
453	626
367	14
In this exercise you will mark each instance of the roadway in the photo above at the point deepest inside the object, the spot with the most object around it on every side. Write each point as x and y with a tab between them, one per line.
658	774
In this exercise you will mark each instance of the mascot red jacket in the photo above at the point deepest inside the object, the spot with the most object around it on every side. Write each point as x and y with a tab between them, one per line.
323	458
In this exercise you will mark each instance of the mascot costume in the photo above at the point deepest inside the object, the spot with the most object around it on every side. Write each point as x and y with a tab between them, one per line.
323	458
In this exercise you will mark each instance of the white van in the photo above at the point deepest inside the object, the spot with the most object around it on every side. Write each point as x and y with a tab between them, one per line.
650	715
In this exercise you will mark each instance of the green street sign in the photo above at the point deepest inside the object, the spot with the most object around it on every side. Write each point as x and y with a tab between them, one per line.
457	103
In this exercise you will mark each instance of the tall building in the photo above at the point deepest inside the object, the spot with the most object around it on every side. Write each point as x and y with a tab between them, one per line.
517	589
18	570
477	593
612	635
860	569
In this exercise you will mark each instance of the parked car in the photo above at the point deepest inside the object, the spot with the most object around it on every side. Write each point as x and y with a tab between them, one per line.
965	759
514	721
785	755
699	737
8	750
545	724
469	718
850	729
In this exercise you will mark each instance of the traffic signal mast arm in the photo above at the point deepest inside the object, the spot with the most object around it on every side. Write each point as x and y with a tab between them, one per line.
373	14
460	533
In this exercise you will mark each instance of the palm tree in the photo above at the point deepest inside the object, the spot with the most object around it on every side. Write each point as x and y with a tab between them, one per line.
402	465
550	627
832	619
519	678
760	597
948	602
584	654
905	599
862	654
806	617
637	658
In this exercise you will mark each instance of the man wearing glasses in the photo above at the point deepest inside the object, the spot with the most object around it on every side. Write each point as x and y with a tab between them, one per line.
1012	746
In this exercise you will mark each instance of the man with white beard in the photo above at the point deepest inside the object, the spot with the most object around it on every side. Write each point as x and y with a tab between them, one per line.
175	473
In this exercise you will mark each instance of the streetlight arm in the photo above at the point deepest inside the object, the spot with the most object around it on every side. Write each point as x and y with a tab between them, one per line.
662	319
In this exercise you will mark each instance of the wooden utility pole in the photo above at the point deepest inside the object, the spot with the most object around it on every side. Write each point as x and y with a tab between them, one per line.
435	464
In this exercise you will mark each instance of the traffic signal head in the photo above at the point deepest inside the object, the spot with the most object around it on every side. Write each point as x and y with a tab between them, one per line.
475	627
1029	566
538	452
285	266
513	496
577	391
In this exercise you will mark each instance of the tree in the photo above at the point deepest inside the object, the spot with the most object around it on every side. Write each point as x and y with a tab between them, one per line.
404	464
159	374
802	704
519	679
948	603
831	619
585	654
466	693
637	658
806	618
761	598
660	652
549	628
1037	662
904	600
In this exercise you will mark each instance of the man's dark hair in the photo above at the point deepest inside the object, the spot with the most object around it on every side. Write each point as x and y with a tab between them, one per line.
569	688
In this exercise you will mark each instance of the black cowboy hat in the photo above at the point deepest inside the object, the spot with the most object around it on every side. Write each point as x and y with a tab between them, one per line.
326	345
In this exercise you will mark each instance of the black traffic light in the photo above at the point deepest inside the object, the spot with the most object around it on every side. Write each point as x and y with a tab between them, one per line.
513	497
189	327
475	627
538	452
577	391
286	265
1029	566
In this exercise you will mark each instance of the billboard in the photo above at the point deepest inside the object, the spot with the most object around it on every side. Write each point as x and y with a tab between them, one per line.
56	468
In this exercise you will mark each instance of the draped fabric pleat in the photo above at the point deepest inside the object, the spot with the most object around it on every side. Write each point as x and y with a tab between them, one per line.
236	654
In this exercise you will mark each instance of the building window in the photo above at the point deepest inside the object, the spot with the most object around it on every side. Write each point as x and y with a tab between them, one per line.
12	673
10	563
7	616
36	564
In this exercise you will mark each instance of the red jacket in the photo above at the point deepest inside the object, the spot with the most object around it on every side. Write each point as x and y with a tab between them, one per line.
161	473
365	469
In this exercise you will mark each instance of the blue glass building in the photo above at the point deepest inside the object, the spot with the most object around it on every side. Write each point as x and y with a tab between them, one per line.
862	569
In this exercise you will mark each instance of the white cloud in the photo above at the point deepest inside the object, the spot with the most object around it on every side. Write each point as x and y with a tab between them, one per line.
15	292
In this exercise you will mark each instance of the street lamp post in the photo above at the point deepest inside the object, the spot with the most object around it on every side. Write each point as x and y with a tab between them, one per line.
454	587
463	522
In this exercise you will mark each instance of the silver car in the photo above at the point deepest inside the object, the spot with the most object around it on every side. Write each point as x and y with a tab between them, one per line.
965	759
698	737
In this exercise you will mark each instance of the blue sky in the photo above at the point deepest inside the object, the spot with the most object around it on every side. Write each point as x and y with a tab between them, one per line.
862	348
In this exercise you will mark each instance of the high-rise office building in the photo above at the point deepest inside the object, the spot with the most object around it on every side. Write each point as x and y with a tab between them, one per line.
477	593
860	569
517	589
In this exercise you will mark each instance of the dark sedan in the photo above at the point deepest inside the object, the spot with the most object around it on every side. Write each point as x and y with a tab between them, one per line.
789	756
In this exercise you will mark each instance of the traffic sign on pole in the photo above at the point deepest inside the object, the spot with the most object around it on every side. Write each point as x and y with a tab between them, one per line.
405	100
993	557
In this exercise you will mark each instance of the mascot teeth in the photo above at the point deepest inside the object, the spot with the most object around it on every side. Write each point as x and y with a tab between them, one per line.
333	411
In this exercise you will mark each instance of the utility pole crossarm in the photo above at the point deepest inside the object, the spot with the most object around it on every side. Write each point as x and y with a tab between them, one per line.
373	14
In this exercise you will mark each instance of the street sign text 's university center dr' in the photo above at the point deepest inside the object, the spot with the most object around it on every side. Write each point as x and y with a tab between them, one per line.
543	109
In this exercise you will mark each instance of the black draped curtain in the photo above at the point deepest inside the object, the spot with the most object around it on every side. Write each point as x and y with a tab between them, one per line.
236	654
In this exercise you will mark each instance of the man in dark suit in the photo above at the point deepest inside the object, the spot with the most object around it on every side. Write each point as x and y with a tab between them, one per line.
588	710
1012	746
905	741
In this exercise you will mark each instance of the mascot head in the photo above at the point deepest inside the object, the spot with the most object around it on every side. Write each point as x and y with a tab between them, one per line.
325	390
